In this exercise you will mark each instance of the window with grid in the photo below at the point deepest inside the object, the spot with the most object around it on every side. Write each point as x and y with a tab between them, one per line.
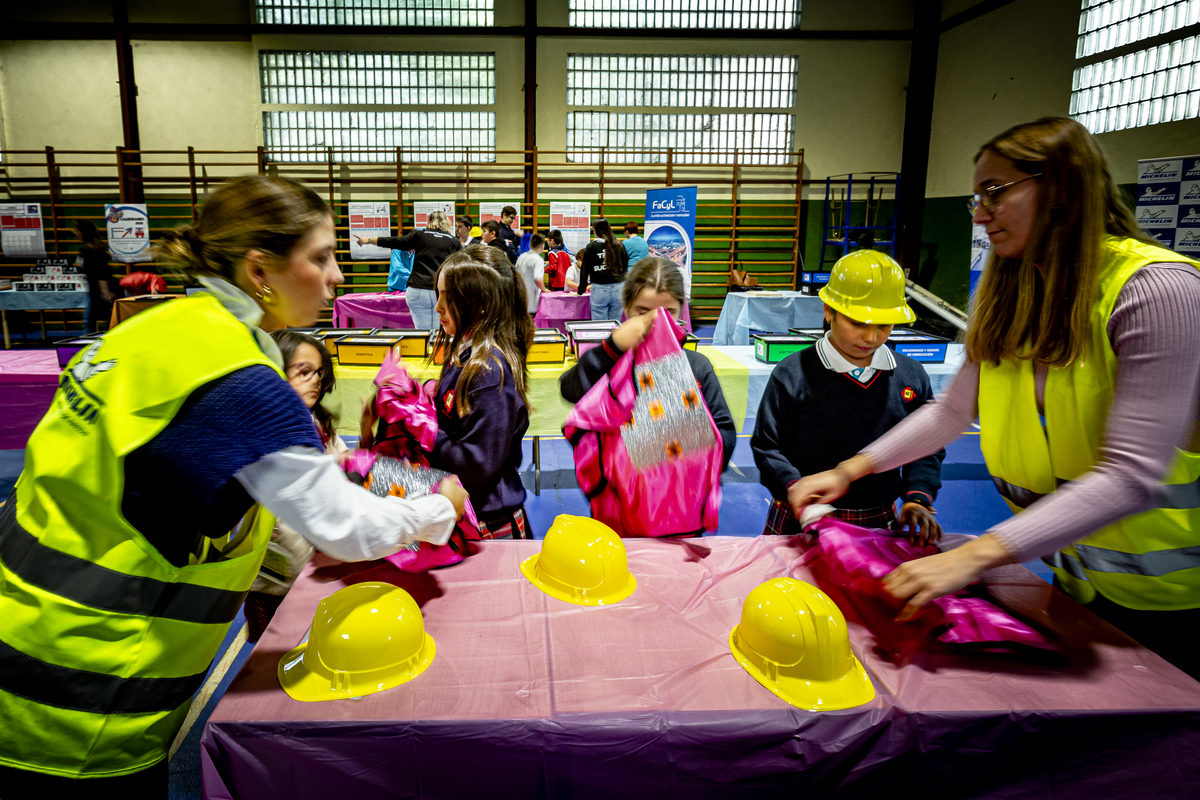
758	138
1136	87
750	14
1106	24
461	13
451	93
698	81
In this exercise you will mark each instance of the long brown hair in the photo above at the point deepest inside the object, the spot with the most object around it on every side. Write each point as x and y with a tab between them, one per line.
1044	298
270	215
480	300
612	248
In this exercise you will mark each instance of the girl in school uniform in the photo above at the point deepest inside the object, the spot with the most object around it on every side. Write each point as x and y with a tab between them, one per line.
824	404
481	395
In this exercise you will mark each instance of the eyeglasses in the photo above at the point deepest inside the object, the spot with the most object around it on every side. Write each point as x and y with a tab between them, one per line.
305	374
990	199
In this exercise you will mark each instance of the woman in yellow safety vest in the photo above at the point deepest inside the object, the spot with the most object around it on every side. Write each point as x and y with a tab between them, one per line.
1083	365
149	493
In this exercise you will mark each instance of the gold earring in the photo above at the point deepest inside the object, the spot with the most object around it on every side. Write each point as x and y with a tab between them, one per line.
264	294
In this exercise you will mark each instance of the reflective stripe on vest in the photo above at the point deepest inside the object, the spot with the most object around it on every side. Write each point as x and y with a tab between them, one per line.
103	641
1147	560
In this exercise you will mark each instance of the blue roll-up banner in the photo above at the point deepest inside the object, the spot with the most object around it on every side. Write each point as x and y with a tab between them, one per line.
671	227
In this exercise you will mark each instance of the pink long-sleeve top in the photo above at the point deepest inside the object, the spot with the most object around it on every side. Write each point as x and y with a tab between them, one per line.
1155	332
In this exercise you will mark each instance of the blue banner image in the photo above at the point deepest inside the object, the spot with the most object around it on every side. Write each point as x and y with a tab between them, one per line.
671	227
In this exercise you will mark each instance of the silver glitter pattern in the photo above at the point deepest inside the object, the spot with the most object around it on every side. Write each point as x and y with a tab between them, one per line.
669	417
390	476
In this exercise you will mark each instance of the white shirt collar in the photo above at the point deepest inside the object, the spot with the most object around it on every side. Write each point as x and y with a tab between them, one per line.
835	361
248	312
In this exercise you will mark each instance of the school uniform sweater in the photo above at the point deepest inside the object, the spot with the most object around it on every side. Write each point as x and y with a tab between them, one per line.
812	418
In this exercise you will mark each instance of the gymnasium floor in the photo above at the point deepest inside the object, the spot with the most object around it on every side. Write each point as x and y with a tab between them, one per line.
967	503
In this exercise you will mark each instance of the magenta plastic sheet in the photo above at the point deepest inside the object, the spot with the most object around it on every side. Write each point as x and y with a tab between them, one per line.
556	309
534	698
849	564
372	310
28	380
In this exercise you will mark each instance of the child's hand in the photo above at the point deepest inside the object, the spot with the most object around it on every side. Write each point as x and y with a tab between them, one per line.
920	524
824	487
633	332
453	491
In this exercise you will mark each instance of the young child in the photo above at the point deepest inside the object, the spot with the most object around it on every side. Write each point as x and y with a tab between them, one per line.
572	279
824	404
558	261
309	370
651	284
480	397
531	269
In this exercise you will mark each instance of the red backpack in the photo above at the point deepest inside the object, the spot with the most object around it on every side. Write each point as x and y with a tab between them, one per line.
557	264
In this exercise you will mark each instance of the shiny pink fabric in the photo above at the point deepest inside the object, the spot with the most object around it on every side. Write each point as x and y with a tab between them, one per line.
408	411
678	495
849	564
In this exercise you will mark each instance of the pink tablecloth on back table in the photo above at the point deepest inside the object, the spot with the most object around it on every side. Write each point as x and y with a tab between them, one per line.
28	379
382	310
533	697
555	309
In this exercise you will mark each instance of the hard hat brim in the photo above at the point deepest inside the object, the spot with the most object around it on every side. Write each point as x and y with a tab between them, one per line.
869	315
530	571
854	688
304	678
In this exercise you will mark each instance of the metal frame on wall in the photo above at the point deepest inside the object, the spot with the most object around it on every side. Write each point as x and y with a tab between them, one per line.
748	215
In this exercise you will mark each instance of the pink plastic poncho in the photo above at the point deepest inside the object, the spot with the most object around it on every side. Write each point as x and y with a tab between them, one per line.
849	563
647	452
403	438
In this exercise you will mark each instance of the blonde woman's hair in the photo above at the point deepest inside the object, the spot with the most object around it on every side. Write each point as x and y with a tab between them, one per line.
438	221
1044	298
270	215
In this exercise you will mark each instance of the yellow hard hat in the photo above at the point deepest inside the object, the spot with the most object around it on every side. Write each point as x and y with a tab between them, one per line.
475	232
365	638
582	562
792	639
868	286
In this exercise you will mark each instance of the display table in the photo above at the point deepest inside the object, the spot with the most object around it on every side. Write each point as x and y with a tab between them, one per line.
28	379
548	411
11	300
532	697
743	312
126	307
556	309
376	310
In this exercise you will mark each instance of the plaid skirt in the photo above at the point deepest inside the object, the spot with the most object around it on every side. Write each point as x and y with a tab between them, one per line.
781	521
510	524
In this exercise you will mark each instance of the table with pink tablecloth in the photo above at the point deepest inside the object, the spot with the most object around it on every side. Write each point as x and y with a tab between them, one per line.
532	697
372	310
28	379
556	309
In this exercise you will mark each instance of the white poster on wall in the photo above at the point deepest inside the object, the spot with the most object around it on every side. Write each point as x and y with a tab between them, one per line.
423	208
573	220
368	221
128	228
21	234
492	211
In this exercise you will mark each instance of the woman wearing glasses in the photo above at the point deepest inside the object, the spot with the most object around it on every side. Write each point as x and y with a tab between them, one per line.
1083	365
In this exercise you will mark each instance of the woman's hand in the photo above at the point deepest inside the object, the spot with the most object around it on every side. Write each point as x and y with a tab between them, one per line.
827	486
633	332
932	577
453	491
922	524
361	241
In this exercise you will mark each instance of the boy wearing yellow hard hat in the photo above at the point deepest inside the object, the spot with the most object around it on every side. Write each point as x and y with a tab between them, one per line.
824	404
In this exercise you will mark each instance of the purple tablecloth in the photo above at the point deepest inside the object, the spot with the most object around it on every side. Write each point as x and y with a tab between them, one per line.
556	309
382	310
28	379
531	697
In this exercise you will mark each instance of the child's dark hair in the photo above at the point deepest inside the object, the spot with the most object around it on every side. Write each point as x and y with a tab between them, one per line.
631	228
612	248
508	211
491	225
555	236
659	274
536	240
288	341
489	305
87	232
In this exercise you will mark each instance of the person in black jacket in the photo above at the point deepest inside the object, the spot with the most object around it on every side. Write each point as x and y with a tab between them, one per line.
492	237
93	257
512	239
653	283
431	247
605	262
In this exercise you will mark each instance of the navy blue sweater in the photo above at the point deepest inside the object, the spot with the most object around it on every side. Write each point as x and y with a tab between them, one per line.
483	448
599	361
812	418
